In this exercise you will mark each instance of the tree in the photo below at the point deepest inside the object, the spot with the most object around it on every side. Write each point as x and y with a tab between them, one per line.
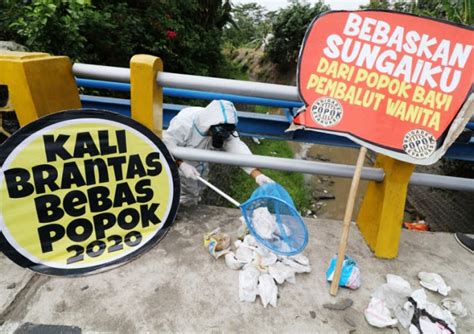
377	4
459	11
399	6
46	25
186	34
9	12
288	29
249	26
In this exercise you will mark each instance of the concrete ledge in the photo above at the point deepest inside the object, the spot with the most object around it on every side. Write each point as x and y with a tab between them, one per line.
178	287
12	280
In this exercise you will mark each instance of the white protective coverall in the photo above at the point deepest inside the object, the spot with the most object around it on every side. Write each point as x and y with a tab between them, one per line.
189	128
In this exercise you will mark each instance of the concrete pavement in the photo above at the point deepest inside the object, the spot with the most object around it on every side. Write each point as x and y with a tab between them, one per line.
178	287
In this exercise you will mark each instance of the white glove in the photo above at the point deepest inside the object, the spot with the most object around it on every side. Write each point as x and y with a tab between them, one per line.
189	171
263	179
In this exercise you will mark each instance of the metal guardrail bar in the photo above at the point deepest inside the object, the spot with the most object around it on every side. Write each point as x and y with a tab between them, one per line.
192	82
201	95
192	94
100	72
263	125
447	182
285	164
101	84
442	181
229	86
315	167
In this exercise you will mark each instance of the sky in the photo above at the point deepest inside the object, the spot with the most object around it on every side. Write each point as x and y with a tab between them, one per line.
335	4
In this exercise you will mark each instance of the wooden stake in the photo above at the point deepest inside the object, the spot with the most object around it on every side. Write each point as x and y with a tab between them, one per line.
347	221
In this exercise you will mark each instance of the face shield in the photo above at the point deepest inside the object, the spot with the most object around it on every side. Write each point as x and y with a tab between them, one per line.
220	133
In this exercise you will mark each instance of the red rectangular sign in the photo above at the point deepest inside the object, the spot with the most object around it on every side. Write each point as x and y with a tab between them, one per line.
396	83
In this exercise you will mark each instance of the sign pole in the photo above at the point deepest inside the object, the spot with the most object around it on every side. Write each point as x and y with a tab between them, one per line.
347	220
403	109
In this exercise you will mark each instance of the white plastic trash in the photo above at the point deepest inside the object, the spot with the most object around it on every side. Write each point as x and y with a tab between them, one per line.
248	281
232	262
244	254
281	273
249	240
434	282
267	258
405	314
398	281
378	315
297	267
454	306
301	259
264	223
394	293
267	290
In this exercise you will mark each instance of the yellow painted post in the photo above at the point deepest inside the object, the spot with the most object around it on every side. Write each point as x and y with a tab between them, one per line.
38	84
381	215
146	95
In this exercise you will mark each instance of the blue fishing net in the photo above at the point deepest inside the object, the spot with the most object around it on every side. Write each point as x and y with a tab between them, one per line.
273	220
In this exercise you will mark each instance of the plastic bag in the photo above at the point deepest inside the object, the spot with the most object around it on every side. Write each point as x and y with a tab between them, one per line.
350	273
428	327
264	223
249	240
405	314
395	292
244	254
422	304
377	314
301	259
267	290
265	257
434	282
232	262
248	280
297	266
281	273
454	306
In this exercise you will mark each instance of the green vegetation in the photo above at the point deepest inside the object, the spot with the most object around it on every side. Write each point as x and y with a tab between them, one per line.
288	28
249	27
242	185
458	11
186	34
191	36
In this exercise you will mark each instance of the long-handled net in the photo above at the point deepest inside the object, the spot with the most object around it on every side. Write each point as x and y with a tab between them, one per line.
272	218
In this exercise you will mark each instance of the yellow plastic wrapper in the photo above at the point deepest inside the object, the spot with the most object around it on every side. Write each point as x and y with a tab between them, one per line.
217	243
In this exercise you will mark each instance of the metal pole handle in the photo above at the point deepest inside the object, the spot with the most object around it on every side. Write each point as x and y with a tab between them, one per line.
220	192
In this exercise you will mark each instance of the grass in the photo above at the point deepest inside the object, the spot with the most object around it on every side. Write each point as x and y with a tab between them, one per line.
261	109
242	185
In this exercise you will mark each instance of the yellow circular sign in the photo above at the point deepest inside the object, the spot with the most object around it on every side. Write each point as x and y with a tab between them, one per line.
83	190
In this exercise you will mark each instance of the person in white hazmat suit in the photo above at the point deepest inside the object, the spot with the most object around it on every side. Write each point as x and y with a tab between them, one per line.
212	127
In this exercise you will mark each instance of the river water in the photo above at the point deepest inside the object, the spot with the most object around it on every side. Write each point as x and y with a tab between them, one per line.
325	186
